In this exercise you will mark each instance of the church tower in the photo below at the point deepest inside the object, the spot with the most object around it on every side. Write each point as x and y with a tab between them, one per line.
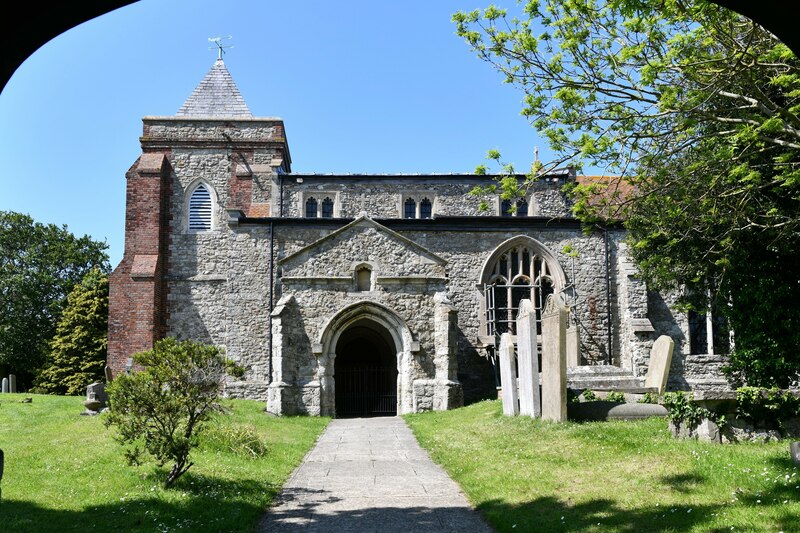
211	161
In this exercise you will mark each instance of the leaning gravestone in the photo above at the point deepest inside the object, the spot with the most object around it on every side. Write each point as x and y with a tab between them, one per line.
660	361
554	359
12	383
508	376
109	375
530	400
5	385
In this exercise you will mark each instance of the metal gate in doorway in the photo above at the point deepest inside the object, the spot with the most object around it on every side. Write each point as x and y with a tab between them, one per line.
363	391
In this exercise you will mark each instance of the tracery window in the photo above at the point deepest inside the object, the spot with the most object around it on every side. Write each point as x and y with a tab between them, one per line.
519	273
327	208
521	208
200	209
311	207
410	208
425	208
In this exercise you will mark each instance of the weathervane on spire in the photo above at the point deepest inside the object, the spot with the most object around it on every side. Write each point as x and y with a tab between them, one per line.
218	42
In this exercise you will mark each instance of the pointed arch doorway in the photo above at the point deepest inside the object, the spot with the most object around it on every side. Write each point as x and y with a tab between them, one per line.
365	371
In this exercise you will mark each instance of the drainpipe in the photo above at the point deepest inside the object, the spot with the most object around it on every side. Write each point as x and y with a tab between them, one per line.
271	285
608	294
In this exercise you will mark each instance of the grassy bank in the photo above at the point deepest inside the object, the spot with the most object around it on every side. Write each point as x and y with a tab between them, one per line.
64	472
529	475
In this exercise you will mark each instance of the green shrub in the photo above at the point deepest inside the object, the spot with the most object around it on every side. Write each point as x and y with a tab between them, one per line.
162	409
649	397
589	396
615	396
766	407
682	409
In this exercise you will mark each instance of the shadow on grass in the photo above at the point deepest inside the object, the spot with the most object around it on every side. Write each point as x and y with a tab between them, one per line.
551	514
683	483
196	503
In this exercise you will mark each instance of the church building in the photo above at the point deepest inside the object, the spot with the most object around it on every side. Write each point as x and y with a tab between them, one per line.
365	294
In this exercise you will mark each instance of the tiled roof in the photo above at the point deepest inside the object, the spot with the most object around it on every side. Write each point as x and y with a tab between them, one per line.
216	96
611	196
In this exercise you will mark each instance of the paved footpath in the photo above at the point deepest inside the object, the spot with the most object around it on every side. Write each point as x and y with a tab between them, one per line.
370	474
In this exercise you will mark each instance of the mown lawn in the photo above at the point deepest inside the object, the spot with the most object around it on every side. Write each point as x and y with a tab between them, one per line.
529	475
64	472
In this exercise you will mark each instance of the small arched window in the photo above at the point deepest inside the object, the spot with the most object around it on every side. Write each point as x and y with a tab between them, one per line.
505	208
522	208
311	207
327	208
363	279
410	208
200	209
425	208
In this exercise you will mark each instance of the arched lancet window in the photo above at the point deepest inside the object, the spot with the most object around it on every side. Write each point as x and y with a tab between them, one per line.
200	209
522	208
327	208
517	274
410	208
425	208
505	208
311	207
363	279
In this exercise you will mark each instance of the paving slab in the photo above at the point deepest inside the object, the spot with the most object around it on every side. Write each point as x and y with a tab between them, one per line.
370	475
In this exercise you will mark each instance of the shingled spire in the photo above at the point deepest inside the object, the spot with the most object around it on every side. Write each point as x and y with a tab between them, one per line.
215	96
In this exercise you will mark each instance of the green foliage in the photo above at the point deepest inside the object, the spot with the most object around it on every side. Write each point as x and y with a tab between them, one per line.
766	407
78	350
698	108
242	440
682	409
615	396
649	397
589	396
163	409
39	266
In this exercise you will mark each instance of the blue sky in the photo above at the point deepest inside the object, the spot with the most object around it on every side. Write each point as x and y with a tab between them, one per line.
362	86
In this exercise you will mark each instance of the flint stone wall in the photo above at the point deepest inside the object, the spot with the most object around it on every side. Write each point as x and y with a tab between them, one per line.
382	197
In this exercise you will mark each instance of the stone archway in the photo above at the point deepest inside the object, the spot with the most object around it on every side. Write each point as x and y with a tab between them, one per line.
385	331
365	371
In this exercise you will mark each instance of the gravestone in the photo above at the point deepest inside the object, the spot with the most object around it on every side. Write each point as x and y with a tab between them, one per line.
12	383
109	375
660	361
508	376
573	347
794	451
554	359
5	385
96	398
530	400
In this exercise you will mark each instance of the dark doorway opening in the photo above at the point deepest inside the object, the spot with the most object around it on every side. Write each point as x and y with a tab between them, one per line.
365	372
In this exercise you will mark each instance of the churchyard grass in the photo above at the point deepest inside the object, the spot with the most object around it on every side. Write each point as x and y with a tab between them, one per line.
64	472
530	475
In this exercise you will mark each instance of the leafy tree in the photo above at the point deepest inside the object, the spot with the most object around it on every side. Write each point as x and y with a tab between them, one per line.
78	350
698	108
162	409
39	266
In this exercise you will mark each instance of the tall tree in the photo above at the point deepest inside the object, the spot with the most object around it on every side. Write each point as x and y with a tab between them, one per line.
39	266
78	350
699	108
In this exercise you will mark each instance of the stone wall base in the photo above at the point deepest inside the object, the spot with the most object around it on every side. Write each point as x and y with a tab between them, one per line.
434	395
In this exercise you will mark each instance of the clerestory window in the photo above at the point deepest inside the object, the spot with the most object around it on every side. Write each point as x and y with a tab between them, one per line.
311	207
